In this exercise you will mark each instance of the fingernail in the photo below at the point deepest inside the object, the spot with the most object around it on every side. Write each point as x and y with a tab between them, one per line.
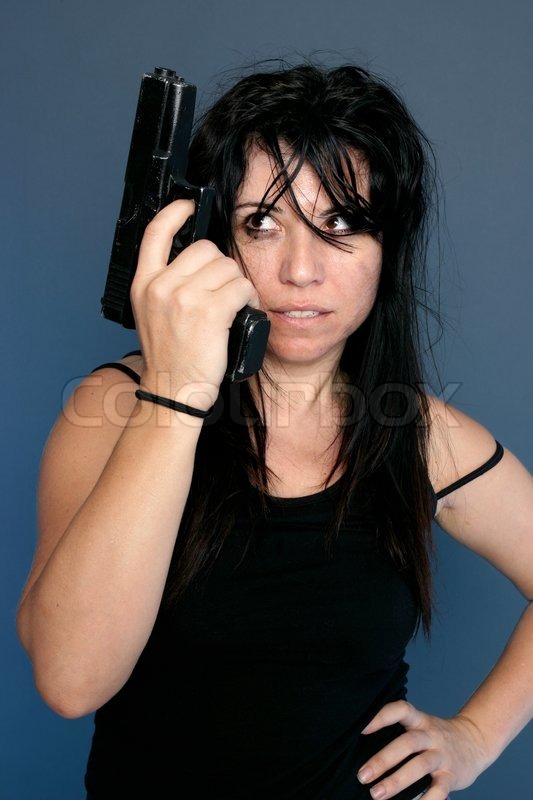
377	792
364	775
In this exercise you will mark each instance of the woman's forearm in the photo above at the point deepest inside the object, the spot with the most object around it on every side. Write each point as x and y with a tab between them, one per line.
503	704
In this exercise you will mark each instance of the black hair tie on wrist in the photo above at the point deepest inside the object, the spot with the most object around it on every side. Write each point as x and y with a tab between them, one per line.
173	404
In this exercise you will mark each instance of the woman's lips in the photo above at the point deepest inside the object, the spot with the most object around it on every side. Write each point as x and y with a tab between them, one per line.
305	309
300	315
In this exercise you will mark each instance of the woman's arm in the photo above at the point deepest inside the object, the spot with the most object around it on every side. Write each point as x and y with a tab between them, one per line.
110	502
493	516
113	485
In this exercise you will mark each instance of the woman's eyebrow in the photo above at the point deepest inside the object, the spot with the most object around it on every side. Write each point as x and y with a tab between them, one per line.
259	205
328	212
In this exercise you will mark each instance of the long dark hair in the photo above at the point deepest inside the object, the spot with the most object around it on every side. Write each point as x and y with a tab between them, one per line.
325	116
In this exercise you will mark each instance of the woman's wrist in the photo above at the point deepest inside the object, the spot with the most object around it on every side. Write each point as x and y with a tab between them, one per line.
173	405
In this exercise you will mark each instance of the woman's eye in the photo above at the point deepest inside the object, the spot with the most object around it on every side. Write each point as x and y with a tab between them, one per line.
339	224
260	223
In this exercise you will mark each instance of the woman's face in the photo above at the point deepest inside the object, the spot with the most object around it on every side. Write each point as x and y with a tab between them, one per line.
314	293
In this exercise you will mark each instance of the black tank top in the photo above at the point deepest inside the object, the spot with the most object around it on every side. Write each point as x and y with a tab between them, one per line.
259	682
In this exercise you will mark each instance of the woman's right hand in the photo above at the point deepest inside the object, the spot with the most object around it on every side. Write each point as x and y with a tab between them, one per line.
184	310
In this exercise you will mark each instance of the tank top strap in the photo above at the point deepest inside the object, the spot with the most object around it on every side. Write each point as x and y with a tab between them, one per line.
492	461
122	367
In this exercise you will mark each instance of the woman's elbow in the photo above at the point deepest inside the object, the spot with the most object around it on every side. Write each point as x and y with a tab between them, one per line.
75	691
71	683
69	698
65	690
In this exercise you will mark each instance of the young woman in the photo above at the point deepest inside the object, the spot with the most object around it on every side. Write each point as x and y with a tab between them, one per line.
233	594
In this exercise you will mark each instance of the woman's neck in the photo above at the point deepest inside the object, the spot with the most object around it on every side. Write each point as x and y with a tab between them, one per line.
297	394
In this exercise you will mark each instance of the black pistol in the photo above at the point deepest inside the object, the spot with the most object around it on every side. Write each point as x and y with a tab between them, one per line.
155	175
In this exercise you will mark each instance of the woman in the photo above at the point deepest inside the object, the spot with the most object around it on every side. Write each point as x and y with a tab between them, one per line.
233	594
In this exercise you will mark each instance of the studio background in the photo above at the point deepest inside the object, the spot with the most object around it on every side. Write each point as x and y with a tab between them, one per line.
71	72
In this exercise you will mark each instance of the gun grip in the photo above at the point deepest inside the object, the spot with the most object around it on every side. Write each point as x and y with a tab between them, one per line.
247	343
249	332
196	226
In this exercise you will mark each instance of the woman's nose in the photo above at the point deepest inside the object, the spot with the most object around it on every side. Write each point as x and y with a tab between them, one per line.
302	258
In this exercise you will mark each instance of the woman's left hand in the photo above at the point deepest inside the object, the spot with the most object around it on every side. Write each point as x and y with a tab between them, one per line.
452	751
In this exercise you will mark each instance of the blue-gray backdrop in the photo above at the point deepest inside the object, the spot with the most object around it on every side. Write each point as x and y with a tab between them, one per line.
70	74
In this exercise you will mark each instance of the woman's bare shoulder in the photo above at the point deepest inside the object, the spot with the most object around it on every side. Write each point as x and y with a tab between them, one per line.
100	405
486	493
458	444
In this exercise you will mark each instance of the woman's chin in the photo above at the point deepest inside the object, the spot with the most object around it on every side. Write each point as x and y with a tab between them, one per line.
300	355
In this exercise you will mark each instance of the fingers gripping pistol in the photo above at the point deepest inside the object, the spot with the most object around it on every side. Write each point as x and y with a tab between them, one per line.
155	175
